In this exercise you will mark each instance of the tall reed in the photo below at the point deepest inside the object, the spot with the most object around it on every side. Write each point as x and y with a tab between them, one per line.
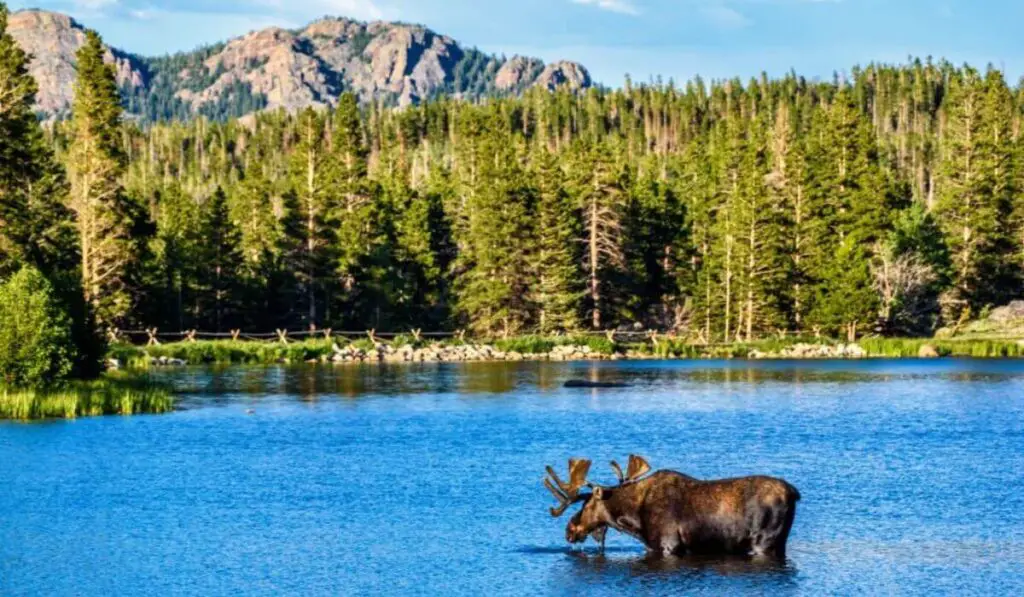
108	396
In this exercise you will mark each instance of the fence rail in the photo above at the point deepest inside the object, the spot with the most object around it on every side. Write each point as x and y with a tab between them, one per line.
153	336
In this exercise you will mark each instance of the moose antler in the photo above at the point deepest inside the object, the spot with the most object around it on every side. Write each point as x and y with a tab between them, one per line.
567	494
637	468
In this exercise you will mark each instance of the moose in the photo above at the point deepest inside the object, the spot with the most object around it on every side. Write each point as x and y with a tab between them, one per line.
674	514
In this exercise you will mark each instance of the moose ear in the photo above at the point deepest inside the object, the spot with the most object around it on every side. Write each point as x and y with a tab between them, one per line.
598	493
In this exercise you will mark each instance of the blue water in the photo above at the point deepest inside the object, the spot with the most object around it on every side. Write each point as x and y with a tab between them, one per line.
426	480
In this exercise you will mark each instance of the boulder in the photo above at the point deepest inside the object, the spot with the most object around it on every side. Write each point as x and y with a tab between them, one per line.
927	351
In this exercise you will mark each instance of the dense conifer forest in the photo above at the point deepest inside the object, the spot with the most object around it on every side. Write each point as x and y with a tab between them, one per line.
886	201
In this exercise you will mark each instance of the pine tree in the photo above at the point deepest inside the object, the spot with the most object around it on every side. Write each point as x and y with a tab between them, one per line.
762	250
556	275
96	166
601	195
35	227
315	180
973	191
176	262
493	294
221	283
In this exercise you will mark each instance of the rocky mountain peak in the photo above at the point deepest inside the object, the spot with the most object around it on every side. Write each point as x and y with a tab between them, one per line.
571	74
52	39
394	63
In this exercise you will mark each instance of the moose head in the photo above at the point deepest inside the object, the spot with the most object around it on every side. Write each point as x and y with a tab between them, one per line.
593	519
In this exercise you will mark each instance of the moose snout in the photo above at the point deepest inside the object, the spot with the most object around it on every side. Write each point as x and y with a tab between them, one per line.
574	533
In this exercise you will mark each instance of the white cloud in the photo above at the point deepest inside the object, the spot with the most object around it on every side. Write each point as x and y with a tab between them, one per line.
724	17
620	6
93	6
357	9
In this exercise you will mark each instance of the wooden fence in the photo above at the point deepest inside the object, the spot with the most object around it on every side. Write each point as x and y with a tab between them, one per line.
153	336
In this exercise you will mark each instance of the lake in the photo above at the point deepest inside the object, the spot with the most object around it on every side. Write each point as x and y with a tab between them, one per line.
426	479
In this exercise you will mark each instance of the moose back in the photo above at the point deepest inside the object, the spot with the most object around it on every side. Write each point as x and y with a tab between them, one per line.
675	514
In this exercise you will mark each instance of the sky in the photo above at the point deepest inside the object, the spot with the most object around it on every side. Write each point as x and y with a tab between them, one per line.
645	39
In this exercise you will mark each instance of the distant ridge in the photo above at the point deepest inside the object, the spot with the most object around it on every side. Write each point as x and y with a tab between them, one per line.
395	63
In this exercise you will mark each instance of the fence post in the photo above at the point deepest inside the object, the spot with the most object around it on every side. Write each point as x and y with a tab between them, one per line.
190	336
235	334
461	335
153	341
654	339
610	334
282	335
416	334
113	334
372	335
327	333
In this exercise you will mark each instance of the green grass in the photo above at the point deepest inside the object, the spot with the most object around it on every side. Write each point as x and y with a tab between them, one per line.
545	344
910	347
229	352
225	352
232	352
107	396
682	349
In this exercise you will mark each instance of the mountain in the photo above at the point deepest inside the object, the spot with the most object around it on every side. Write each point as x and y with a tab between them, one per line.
393	63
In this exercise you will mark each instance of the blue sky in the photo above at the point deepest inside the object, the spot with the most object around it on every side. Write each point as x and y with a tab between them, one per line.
644	38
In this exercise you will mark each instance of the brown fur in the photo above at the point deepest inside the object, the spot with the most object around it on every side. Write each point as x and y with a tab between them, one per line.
673	513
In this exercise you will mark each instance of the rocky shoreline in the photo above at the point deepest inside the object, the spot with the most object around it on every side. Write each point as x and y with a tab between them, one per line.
466	353
441	353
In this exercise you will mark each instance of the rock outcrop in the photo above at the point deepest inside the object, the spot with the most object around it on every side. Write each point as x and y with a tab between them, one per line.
393	63
564	73
52	39
518	73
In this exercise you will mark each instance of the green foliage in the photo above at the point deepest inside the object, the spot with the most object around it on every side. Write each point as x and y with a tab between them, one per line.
526	344
911	348
724	212
109	396
35	225
110	240
229	352
545	344
36	346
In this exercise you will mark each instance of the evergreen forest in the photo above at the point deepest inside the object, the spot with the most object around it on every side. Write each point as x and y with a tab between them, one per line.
888	201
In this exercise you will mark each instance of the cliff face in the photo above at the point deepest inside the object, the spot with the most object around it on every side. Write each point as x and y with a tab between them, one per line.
53	39
276	68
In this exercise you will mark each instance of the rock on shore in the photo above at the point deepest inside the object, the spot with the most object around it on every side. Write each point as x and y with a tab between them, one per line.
814	351
438	353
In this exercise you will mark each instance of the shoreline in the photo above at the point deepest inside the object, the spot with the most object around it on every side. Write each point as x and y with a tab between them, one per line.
224	352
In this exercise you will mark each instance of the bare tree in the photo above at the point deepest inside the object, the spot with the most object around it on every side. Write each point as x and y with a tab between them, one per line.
904	285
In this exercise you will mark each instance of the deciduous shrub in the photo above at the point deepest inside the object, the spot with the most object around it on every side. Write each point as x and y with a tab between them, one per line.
36	347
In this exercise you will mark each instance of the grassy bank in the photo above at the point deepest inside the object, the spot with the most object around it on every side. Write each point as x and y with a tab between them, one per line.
874	347
545	344
227	352
230	352
107	396
911	347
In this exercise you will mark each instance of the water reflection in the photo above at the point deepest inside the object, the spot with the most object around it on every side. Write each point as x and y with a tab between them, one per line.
311	382
676	575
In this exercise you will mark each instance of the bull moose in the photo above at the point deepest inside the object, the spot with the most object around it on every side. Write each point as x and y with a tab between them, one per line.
675	514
